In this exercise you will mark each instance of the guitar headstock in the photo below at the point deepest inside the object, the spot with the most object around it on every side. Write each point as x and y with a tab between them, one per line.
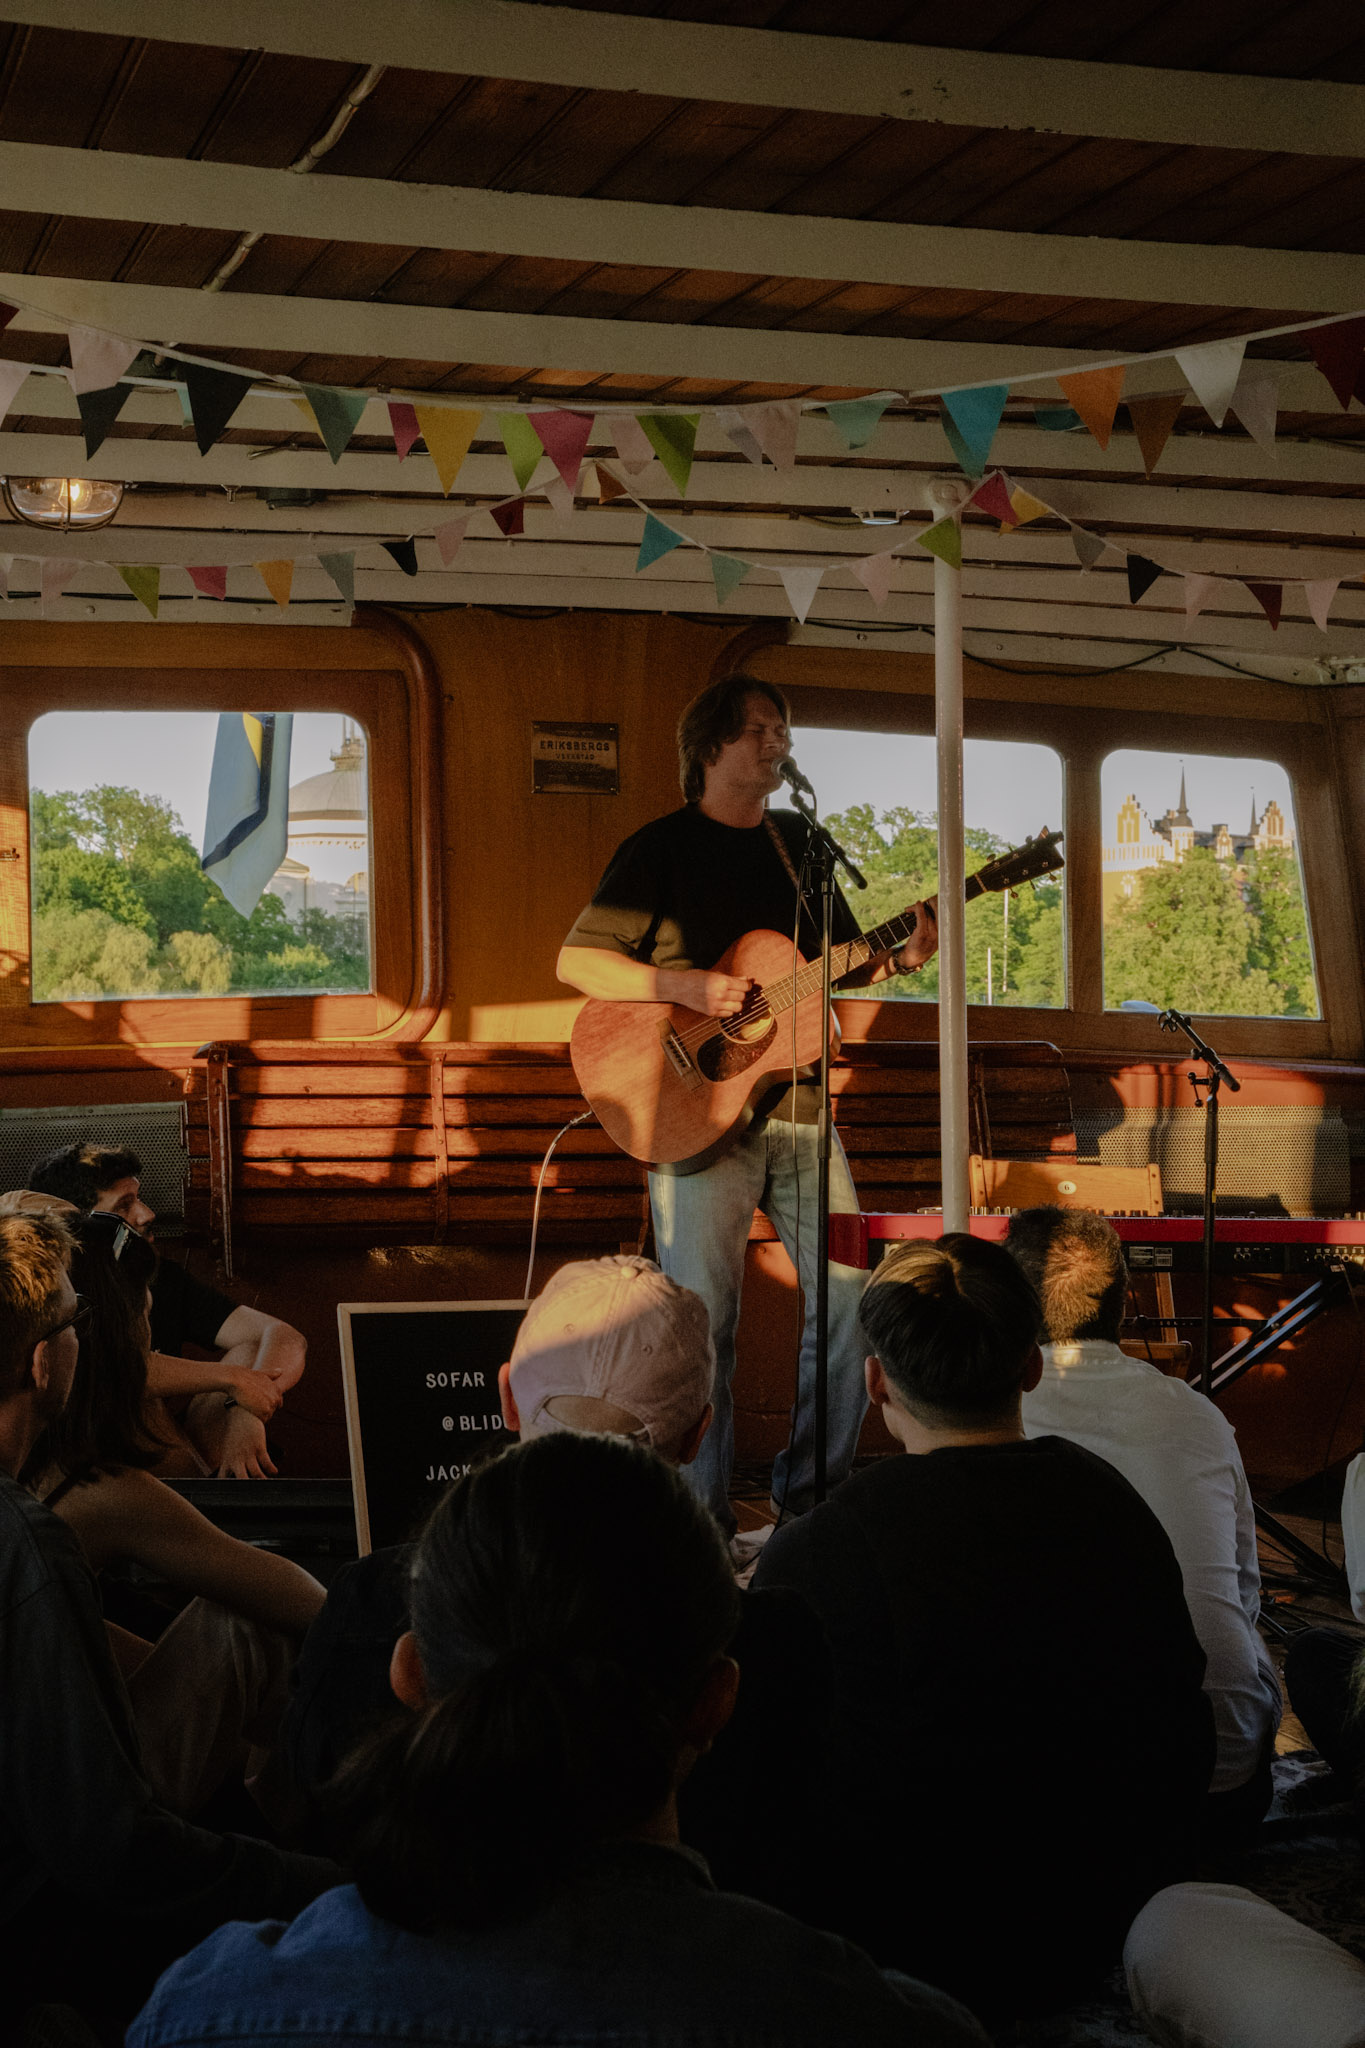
1041	855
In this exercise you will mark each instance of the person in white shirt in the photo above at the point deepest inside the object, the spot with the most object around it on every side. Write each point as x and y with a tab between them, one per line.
1181	1455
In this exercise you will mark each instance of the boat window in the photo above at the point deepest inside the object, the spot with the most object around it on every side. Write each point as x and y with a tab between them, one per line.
128	899
878	795
1203	894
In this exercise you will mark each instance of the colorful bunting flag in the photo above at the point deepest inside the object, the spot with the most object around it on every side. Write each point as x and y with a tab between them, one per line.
523	444
774	427
1270	597
1056	419
609	486
449	539
801	584
1338	351
337	413
214	397
1256	402
1320	595
448	434
209	581
98	411
1024	507
403	422
734	424
1089	546
1142	574
633	445
144	580
1152	420
278	578
98	359
1213	370
404	553
656	540
993	497
727	573
1198	591
970	419
13	377
874	573
1095	396
341	569
944	539
564	436
559	496
510	517
855	420
673	436
55	572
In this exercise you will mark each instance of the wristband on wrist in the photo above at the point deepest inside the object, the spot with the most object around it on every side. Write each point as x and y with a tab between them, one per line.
229	1401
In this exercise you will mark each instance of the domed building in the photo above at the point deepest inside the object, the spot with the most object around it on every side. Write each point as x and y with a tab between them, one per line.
327	865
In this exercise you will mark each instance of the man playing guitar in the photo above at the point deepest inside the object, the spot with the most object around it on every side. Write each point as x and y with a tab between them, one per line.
674	898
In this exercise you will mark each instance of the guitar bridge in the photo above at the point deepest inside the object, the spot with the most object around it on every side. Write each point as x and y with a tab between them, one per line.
678	1056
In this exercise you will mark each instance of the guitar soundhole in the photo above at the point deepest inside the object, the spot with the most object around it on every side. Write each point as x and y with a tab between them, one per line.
739	1041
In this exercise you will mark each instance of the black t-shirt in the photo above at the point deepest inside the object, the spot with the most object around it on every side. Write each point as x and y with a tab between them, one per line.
185	1311
1020	1730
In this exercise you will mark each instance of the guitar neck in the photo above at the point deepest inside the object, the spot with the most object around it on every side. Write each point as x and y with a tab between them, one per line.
848	958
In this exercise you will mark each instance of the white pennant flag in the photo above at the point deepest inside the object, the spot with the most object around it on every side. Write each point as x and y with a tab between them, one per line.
633	444
450	539
57	572
559	495
774	428
1212	372
97	359
734	424
13	377
1198	591
1089	546
874	573
1320	595
801	585
1256	402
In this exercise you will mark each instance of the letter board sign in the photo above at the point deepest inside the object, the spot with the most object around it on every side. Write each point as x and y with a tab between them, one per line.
421	1385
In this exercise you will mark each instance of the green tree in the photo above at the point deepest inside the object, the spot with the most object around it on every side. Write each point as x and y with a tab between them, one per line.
196	961
1279	942
80	953
1184	937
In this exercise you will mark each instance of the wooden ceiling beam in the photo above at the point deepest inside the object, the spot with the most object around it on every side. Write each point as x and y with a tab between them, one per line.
758	67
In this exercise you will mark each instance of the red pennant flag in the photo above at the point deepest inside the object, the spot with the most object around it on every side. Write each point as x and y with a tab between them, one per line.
1095	394
564	437
209	582
993	495
511	517
403	420
1337	351
1270	597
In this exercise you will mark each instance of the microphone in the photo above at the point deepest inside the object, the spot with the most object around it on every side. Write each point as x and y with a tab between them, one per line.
793	777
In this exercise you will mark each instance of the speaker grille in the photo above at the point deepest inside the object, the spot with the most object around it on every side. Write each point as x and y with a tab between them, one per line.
1279	1161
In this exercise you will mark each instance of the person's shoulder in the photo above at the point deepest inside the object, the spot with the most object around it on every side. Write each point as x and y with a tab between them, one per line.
228	1987
36	1549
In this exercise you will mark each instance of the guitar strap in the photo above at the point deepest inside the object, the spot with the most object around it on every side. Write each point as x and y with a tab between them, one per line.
784	855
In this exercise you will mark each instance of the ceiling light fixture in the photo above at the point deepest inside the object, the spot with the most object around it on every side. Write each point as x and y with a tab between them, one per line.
61	501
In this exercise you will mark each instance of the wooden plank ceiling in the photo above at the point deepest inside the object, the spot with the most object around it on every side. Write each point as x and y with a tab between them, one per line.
1103	208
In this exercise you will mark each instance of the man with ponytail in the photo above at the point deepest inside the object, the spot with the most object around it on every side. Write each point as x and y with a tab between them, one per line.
514	1836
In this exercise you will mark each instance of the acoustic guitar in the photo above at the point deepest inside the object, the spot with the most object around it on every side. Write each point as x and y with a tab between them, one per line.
675	1088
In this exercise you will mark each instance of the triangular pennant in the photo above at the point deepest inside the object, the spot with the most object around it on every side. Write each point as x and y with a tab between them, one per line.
1198	591
523	444
341	569
404	553
970	419
1024	507
13	377
1095	396
609	486
656	540
1270	597
97	359
1142	574
278	578
55	572
337	414
1320	595
98	411
727	573
1256	402
943	539
559	497
144	580
733	422
564	436
1337	351
450	539
1089	546
801	585
774	427
1152	420
874	573
209	581
403	422
447	433
1056	419
993	496
673	436
855	420
214	397
509	518
7	313
633	445
1213	370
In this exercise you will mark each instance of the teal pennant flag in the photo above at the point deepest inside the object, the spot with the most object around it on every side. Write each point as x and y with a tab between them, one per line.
337	414
855	420
970	419
246	831
656	540
727	573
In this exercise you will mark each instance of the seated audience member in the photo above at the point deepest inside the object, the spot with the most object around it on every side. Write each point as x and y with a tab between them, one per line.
1020	1732
220	1671
1213	1966
514	1838
1181	1454
609	1346
99	1884
226	1403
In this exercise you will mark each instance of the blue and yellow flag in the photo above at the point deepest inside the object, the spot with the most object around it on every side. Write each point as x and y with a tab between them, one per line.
246	833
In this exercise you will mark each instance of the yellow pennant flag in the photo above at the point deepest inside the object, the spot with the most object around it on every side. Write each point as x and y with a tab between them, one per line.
447	434
278	578
1025	506
144	580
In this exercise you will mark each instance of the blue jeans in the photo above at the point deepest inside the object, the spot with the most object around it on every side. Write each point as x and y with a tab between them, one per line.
701	1227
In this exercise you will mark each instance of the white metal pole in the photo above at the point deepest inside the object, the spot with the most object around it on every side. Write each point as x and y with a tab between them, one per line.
947	495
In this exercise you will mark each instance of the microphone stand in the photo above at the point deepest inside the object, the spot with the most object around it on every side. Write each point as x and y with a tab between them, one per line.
824	851
1210	1081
